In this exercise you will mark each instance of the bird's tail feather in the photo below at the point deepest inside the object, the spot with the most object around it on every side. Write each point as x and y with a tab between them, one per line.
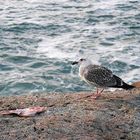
122	84
127	87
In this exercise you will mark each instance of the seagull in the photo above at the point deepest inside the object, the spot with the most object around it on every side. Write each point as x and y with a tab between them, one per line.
99	76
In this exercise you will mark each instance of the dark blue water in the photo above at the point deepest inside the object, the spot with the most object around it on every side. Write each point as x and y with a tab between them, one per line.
40	38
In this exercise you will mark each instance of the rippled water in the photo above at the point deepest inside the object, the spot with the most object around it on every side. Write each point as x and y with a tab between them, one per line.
40	38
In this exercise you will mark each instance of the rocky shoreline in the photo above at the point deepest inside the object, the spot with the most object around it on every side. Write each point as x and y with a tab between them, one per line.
71	116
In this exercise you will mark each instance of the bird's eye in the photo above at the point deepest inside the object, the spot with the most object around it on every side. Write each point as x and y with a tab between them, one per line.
82	59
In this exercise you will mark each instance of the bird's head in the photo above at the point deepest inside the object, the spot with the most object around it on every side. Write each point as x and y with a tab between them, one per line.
82	61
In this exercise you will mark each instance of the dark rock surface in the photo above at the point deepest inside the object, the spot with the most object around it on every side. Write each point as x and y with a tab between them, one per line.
113	116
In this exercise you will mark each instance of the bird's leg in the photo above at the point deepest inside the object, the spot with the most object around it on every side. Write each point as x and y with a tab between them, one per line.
93	96
98	93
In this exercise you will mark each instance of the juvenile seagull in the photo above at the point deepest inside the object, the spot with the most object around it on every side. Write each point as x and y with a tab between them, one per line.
99	76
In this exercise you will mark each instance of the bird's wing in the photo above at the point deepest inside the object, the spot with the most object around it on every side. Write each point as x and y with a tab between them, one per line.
100	76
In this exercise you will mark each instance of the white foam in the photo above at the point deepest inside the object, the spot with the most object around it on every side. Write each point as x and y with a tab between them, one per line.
133	73
52	1
50	47
107	4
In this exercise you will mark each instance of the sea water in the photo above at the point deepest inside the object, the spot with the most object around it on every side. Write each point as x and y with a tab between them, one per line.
40	38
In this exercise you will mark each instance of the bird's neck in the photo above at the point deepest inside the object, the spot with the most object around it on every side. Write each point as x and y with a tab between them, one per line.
82	70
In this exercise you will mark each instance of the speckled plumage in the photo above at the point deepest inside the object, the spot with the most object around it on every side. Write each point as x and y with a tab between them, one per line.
98	76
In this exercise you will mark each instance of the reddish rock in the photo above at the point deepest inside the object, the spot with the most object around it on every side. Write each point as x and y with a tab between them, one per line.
136	84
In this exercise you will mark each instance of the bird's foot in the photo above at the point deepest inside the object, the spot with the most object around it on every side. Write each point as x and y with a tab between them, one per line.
84	97
92	96
98	94
95	96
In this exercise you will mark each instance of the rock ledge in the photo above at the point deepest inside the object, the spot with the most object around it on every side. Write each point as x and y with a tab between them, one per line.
72	116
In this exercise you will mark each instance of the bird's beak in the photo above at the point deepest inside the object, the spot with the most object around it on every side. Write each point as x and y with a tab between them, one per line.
74	63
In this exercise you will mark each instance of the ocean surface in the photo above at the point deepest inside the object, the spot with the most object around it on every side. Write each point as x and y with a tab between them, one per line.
40	38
